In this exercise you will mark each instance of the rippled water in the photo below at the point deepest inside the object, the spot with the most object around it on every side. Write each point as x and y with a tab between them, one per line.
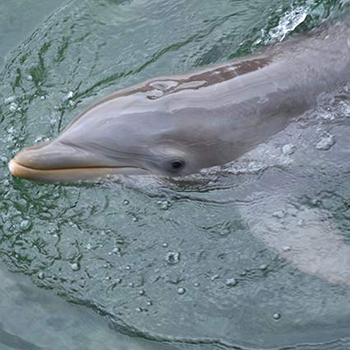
253	254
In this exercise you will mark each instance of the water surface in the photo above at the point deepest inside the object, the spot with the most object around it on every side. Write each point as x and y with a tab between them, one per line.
254	254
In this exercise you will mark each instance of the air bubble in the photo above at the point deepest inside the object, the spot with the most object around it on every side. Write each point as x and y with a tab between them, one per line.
25	225
164	205
13	107
9	100
231	282
39	139
277	316
181	290
172	258
75	266
69	95
263	267
314	201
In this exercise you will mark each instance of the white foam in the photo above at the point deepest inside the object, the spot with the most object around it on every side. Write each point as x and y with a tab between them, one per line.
287	24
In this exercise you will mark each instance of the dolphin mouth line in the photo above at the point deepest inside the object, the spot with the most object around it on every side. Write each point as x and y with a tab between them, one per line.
72	168
19	170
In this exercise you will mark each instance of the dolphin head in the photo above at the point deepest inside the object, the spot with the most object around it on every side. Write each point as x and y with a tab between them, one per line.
129	135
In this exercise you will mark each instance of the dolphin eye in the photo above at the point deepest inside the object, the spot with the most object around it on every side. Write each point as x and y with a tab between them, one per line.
175	165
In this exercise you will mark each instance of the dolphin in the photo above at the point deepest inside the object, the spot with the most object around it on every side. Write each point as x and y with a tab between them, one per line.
177	125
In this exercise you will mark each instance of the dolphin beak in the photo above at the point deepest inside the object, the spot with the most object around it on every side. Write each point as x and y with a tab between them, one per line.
58	162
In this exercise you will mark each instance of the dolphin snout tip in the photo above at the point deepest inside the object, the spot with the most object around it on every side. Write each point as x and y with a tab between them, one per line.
13	166
23	164
16	169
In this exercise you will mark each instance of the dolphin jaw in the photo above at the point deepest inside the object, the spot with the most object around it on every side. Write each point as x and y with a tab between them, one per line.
25	168
70	175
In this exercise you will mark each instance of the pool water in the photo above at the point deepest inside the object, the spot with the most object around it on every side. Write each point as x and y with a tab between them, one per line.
251	255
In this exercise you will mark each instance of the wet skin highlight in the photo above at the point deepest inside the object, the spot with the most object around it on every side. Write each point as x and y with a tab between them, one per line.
177	125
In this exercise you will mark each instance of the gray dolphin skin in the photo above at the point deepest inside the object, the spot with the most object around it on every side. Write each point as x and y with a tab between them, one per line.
178	125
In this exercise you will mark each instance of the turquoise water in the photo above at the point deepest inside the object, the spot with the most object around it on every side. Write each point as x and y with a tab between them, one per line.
35	319
19	18
251	255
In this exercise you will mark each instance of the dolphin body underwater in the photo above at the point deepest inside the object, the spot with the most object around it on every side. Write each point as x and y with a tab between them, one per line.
177	125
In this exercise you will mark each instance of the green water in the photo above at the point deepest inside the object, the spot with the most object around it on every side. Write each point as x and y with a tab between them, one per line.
19	18
253	255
